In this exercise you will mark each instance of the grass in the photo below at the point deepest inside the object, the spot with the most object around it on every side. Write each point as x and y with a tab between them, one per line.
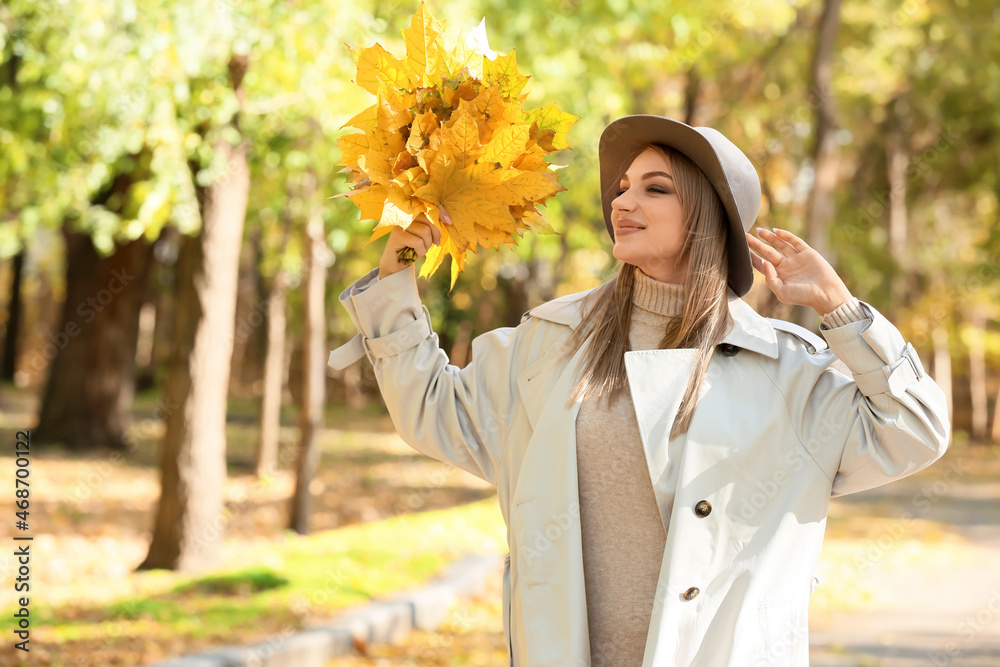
287	586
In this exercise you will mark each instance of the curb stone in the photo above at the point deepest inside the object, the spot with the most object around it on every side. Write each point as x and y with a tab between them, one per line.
378	622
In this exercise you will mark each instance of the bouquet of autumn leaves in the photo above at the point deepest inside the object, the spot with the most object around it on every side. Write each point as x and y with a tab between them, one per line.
448	138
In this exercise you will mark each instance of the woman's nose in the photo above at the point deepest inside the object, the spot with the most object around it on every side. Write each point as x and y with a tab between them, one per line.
621	202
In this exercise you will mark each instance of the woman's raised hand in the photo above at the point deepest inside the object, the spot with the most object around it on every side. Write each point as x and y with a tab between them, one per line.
796	273
420	236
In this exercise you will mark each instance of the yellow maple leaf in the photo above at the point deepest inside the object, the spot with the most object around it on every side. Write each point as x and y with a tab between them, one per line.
424	61
503	73
506	145
370	200
448	132
551	117
377	66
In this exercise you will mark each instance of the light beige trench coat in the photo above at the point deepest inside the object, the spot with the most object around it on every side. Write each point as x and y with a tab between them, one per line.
783	423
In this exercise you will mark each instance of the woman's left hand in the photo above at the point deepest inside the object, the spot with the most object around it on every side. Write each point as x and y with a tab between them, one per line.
796	273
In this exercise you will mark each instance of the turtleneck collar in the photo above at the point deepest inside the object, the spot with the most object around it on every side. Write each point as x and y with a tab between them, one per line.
656	296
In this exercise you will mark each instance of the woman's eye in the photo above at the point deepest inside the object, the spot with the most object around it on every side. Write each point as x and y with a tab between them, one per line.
659	189
620	192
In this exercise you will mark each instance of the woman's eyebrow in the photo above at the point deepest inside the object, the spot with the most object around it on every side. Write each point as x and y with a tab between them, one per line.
652	174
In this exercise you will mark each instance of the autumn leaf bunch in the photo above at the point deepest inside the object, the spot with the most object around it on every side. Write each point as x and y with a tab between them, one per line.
448	129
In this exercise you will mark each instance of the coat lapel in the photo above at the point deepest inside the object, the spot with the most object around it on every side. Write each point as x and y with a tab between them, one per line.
546	511
657	381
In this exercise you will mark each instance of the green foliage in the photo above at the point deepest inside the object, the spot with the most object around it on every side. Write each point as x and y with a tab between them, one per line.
91	92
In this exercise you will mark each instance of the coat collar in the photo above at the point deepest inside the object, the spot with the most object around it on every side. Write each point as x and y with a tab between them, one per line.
749	331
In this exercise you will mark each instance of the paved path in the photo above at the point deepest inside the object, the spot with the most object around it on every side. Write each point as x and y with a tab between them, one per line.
939	615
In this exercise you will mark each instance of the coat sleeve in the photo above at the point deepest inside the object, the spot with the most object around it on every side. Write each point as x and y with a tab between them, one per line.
868	413
459	416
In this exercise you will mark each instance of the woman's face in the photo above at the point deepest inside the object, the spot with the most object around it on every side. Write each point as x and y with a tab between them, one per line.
648	220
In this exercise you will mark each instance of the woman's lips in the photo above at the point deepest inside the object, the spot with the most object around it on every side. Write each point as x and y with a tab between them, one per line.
628	230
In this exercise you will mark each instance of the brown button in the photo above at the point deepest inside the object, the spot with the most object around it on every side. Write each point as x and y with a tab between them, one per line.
729	350
691	593
703	508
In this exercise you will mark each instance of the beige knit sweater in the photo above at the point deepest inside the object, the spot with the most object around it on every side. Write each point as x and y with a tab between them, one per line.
623	534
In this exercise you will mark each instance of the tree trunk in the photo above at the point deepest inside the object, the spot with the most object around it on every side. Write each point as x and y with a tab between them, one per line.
266	451
461	351
461	347
257	345
691	89
559	270
87	400
8	365
165	284
897	160
825	156
995	431
942	365
190	515
977	375
13	318
515	289
249	317
313	359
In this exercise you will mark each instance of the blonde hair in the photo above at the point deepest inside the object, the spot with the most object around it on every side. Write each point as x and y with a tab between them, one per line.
705	317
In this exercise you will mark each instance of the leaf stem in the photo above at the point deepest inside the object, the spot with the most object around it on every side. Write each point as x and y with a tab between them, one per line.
406	256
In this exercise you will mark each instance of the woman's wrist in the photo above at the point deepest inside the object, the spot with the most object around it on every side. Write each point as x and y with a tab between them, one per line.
386	269
831	302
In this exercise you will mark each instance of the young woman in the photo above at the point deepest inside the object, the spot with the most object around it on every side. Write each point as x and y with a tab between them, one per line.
664	457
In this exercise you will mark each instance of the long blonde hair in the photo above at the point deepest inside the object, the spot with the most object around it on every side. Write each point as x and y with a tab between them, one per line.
705	317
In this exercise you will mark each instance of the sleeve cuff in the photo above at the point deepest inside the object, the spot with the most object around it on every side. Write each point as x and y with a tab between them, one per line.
388	315
847	313
876	354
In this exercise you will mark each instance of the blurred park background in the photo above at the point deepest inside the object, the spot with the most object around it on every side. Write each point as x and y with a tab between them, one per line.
170	262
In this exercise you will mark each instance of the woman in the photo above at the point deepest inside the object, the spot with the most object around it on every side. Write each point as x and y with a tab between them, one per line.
664	457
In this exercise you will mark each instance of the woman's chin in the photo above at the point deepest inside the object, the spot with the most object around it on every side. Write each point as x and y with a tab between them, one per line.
623	253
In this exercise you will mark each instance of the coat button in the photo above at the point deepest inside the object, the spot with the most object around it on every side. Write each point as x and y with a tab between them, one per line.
691	593
703	508
729	350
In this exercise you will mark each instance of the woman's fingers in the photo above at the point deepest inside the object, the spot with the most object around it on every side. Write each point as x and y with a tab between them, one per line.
426	233
443	214
767	270
763	249
780	244
791	239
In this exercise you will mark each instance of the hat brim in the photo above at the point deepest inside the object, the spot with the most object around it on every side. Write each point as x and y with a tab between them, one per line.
622	139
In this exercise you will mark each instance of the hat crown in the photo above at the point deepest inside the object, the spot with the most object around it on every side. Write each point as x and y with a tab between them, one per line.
741	176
